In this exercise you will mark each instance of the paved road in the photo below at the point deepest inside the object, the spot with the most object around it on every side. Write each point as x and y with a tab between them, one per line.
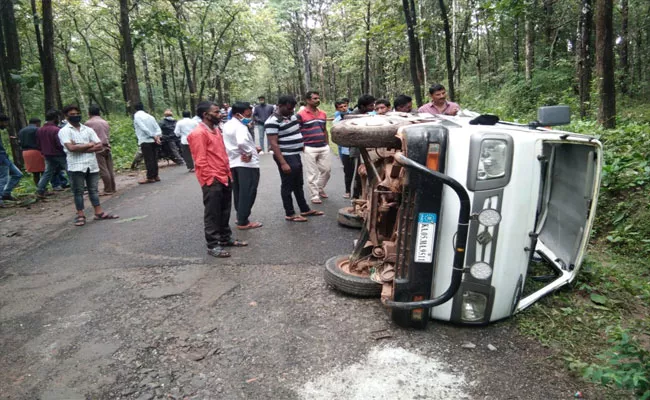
137	310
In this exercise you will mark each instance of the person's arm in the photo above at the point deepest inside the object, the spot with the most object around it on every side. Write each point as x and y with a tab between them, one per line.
177	131
241	136
66	140
139	123
327	137
275	146
198	149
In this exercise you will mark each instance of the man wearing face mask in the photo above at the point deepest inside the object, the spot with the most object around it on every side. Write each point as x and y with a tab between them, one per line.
212	169
244	163
80	144
317	150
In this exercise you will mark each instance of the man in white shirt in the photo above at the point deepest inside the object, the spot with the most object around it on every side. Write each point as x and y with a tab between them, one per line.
183	128
244	163
80	144
148	132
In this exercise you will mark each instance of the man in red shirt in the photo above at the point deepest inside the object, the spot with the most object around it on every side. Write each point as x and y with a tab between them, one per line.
212	170
317	150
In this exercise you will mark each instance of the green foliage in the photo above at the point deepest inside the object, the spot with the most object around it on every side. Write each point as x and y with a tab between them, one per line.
124	143
626	364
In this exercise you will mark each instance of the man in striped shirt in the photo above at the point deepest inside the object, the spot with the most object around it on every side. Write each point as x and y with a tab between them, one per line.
283	132
317	150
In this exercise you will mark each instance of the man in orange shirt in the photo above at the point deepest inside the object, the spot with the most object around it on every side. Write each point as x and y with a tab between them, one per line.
212	169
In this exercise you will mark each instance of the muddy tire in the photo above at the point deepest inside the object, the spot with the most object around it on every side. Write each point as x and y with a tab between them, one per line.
348	218
347	283
371	131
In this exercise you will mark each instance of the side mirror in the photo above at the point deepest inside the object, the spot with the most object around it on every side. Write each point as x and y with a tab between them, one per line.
552	116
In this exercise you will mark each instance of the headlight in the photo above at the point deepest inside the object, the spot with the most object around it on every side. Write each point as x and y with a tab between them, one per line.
481	270
489	217
473	308
492	159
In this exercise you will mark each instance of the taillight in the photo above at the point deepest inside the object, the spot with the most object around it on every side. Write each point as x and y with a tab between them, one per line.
433	156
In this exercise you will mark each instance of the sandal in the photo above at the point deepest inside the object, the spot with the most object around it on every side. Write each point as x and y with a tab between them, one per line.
323	195
296	218
105	215
218	252
80	220
250	225
346	196
316	200
312	213
233	243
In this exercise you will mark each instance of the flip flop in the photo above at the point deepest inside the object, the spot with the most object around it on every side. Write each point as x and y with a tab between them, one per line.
317	201
105	215
218	252
250	225
296	218
80	220
233	243
312	213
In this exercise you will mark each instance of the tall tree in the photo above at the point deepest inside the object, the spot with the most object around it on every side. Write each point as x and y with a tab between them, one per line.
48	62
448	55
131	84
605	63
415	60
623	49
584	64
530	39
366	71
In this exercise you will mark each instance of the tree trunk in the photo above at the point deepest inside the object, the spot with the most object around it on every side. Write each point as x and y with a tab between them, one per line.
132	89
48	62
516	67
450	70
605	63
163	74
81	99
623	52
147	79
530	40
414	50
172	62
10	64
188	75
584	56
98	81
366	71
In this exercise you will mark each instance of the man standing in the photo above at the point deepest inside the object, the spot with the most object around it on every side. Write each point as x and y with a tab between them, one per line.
261	113
183	128
244	163
47	140
9	174
365	105
81	143
283	131
439	103
34	161
104	157
382	106
214	176
404	103
169	139
317	150
148	133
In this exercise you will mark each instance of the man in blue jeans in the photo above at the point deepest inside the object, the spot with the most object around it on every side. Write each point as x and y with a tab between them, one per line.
47	141
261	113
9	174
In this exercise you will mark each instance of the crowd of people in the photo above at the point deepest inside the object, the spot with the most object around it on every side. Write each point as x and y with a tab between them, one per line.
220	144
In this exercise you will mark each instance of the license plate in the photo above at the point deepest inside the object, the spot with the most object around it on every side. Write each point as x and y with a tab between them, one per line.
425	237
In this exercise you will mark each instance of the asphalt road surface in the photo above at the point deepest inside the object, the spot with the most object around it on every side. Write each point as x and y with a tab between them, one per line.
136	309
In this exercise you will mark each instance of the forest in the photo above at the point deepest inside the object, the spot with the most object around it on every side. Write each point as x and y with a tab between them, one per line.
506	57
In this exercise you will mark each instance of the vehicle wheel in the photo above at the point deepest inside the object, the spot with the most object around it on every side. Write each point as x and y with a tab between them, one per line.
347	283
370	131
347	217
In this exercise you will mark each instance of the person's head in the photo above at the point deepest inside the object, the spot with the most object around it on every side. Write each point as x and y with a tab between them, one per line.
438	94
366	103
403	103
312	99
242	110
208	112
186	114
346	100
35	121
52	116
72	114
139	106
261	100
4	121
382	106
341	106
226	106
93	111
168	113
286	105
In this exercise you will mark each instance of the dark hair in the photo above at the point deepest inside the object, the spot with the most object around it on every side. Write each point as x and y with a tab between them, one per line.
34	120
435	88
365	100
310	93
93	110
345	100
70	107
139	106
287	99
186	114
384	102
203	107
240	106
3	117
52	115
402	100
261	97
339	102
